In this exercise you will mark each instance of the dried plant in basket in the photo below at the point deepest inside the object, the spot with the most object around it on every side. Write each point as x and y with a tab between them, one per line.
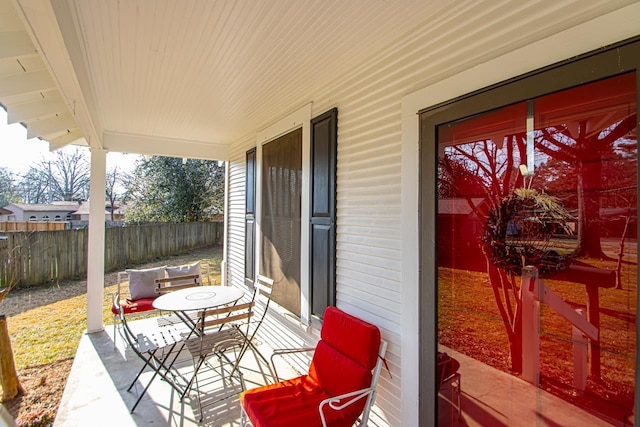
521	231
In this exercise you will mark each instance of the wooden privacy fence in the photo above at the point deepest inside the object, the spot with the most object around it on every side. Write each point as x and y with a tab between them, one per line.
38	257
32	225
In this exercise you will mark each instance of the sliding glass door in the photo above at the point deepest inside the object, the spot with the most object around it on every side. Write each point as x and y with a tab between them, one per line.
536	252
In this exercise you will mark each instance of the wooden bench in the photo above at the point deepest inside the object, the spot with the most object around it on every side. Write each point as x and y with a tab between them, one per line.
136	298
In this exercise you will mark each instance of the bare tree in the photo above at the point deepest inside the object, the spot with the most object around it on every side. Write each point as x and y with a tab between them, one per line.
9	381
492	171
588	152
116	179
33	187
66	177
69	175
8	192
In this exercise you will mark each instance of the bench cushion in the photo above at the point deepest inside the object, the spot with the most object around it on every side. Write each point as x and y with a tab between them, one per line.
183	270
142	283
137	306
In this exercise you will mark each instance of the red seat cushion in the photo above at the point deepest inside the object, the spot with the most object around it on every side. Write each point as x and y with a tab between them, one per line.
291	403
447	366
134	306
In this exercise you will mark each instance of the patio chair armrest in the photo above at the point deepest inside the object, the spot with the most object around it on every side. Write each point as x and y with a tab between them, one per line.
338	403
115	299
285	351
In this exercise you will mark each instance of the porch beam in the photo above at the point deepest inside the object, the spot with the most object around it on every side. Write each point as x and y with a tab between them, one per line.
52	29
74	135
51	127
95	253
28	111
32	82
157	146
15	44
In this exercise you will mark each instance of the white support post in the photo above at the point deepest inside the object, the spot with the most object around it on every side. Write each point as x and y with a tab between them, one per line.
225	246
580	350
95	253
530	325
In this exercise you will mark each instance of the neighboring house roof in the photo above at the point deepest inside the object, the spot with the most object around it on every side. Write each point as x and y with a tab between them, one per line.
4	211
46	207
457	206
84	210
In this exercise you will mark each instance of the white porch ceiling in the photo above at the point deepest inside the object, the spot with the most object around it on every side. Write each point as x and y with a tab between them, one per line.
189	76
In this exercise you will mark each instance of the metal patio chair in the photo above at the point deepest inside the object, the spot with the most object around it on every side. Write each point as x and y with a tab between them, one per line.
171	284
158	347
448	376
263	288
220	330
135	298
232	328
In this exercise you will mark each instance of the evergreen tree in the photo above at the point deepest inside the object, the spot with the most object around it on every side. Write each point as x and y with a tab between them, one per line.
168	189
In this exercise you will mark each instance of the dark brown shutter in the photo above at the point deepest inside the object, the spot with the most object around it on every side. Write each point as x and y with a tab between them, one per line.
250	218
324	138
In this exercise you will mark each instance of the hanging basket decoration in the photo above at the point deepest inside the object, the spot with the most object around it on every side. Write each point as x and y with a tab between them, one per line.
526	229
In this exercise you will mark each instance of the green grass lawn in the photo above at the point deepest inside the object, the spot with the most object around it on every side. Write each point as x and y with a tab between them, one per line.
469	322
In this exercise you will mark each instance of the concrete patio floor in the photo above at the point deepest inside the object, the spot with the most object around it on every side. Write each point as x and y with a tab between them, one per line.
96	393
96	390
494	398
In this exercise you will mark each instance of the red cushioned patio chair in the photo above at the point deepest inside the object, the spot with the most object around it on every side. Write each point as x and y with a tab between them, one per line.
144	286
340	387
448	376
137	297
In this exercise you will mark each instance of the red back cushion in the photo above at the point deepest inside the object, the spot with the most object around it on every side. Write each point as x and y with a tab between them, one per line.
351	336
345	354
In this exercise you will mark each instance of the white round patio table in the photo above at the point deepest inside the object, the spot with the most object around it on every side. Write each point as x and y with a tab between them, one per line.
197	298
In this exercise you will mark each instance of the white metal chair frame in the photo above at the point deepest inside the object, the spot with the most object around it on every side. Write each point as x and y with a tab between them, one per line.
218	332
263	287
158	348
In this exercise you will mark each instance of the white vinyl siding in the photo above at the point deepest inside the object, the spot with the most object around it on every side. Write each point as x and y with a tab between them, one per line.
236	211
369	174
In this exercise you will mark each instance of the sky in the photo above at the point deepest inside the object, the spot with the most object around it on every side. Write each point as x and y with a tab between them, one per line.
17	153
